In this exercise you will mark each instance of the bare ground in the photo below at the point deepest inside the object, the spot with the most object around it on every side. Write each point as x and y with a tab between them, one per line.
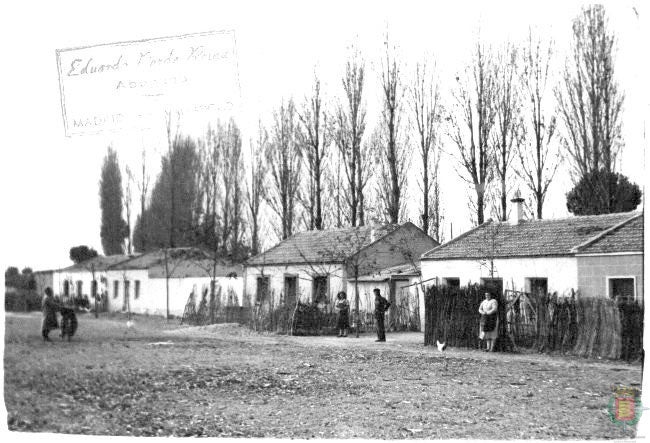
160	378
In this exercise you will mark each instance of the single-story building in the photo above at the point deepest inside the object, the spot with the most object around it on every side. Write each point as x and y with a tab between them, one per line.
313	266
402	284
141	284
87	278
545	255
611	263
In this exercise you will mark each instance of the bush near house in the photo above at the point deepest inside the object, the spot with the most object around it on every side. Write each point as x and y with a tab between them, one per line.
22	300
582	326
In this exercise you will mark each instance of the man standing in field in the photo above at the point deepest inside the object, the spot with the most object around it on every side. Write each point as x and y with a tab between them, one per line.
381	306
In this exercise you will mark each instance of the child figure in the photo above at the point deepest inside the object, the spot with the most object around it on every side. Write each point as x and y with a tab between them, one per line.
343	307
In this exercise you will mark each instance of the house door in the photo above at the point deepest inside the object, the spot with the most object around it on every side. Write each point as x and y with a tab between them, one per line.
290	289
126	306
398	313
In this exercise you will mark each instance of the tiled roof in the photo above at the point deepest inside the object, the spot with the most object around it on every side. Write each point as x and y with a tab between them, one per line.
624	237
99	263
529	238
327	246
199	268
183	262
406	270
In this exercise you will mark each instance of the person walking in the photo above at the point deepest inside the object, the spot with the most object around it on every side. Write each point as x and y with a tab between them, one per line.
489	330
343	306
381	306
49	307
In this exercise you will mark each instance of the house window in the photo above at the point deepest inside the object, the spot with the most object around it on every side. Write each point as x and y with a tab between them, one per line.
319	289
262	290
66	288
451	282
623	287
537	286
116	288
137	289
493	285
290	289
93	289
80	286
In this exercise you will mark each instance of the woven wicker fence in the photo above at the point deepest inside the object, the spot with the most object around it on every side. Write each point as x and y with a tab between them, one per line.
587	327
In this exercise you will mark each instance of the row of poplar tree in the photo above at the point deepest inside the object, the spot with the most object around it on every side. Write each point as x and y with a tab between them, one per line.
510	119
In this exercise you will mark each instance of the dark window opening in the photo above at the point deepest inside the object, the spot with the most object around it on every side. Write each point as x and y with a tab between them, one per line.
621	287
116	288
80	286
537	286
66	288
451	282
137	289
319	289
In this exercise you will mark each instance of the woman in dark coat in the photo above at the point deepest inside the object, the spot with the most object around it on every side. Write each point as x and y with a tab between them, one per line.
49	314
343	307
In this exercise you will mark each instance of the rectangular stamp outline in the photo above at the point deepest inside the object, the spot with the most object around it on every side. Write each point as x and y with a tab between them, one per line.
58	52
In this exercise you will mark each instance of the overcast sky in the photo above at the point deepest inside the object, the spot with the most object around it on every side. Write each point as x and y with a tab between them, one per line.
50	181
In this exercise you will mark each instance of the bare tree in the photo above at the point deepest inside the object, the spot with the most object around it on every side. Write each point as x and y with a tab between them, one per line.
507	136
589	100
231	203
425	103
472	123
256	190
394	153
315	143
283	157
128	202
142	184
349	126
538	155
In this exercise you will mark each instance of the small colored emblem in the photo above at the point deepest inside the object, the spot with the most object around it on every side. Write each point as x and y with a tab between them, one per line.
625	406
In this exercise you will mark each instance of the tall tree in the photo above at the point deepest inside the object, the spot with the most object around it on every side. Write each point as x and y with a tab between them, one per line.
539	156
283	156
232	203
425	103
472	123
172	215
613	193
256	190
394	153
589	99
507	135
142	183
113	226
314	144
349	126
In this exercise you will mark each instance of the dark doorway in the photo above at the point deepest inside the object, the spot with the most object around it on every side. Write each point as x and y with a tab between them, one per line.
262	290
319	289
290	289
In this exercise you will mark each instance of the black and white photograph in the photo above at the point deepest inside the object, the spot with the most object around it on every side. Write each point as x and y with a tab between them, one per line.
324	220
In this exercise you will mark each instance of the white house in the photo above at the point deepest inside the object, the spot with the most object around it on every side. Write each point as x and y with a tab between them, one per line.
313	266
402	284
160	280
87	278
589	253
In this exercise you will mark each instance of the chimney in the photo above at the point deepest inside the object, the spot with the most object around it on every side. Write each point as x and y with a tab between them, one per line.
517	215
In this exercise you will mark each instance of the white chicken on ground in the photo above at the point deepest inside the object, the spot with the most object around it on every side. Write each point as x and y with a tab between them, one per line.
441	346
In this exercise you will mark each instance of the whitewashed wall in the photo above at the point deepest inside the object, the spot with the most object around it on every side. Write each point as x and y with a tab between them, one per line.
86	277
152	299
561	272
276	274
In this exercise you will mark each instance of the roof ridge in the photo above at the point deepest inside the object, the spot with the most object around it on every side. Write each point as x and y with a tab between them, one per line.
602	234
460	237
575	217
